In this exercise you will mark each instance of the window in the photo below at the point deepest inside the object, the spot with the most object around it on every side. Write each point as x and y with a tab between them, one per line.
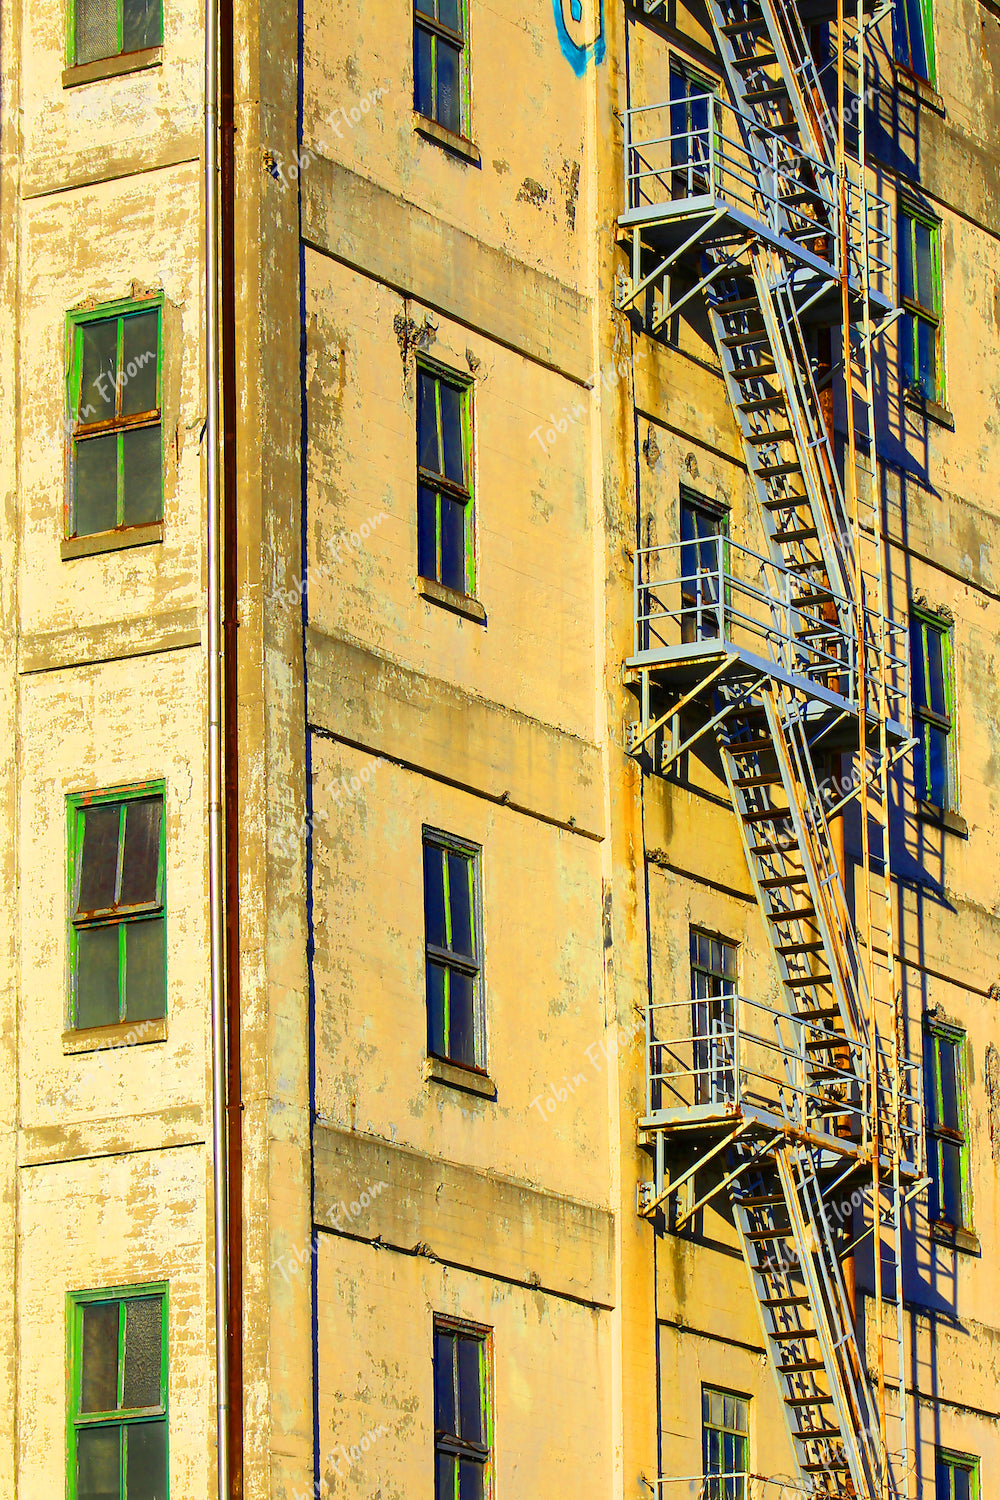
116	886
725	1444
118	1394
920	327
713	986
913	36
456	1027
441	63
689	131
463	1416
108	28
704	551
946	1103
116	474
956	1476
445	540
932	686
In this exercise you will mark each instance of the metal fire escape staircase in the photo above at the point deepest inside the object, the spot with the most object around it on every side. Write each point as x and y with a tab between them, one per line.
785	656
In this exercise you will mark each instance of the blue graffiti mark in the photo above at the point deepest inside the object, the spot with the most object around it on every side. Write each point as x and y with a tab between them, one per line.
578	53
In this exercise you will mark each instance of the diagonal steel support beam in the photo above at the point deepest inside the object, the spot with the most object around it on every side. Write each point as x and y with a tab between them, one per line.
702	1161
711	723
640	286
725	1181
683	703
720	269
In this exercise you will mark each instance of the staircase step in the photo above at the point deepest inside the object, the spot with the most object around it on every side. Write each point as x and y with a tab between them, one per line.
780	435
762	403
751	781
786	502
742	373
738	305
767	1200
803	534
792	914
749	747
760	96
769	849
784	1301
827	1044
781	1335
821	596
804	1434
774	471
805	981
800	1367
774	882
758	60
748	336
760	1235
737	28
786	948
838	1464
767	815
829	1014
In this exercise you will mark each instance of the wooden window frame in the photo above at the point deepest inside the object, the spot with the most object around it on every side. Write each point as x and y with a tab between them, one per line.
123	917
434	28
714	1080
731	1488
71	62
438	482
445	957
914	312
947	1458
78	431
449	1443
923	714
936	1032
128	1418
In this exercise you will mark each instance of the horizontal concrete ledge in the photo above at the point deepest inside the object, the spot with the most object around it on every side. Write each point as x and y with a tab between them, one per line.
434	727
121	1135
118	540
88	645
417	254
463	1216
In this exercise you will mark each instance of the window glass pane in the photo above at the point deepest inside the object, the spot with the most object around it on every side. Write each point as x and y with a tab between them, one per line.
99	346
97	1001
469	1393
960	1481
427	566
951	1183
428	456
142	480
462	1021
927	359
948	1053
95	484
451	432
922	238
98	1463
141	859
426	7
936	769
434	915
460	873
907	350
449	14
453	543
943	1480
445	1477
449	103
146	1461
444	1390
142	26
470	1480
145	997
143	1348
437	982
423	73
935	670
140	346
906	283
99	859
99	1357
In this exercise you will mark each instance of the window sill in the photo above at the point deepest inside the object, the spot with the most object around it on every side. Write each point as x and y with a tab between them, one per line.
110	541
932	410
113	67
918	88
121	1034
928	812
955	1239
457	1077
458	145
459	604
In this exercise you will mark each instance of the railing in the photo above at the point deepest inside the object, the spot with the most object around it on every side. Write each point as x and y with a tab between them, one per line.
728	1054
701	152
717	589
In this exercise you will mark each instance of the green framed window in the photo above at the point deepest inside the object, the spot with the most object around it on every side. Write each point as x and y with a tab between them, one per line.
921	328
956	1475
456	1023
117	1437
463	1410
713	991
913	37
446	549
115	417
441	63
932	689
947	1112
117	947
108	28
725	1444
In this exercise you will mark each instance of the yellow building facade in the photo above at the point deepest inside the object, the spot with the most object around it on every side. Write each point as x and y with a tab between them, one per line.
533	324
